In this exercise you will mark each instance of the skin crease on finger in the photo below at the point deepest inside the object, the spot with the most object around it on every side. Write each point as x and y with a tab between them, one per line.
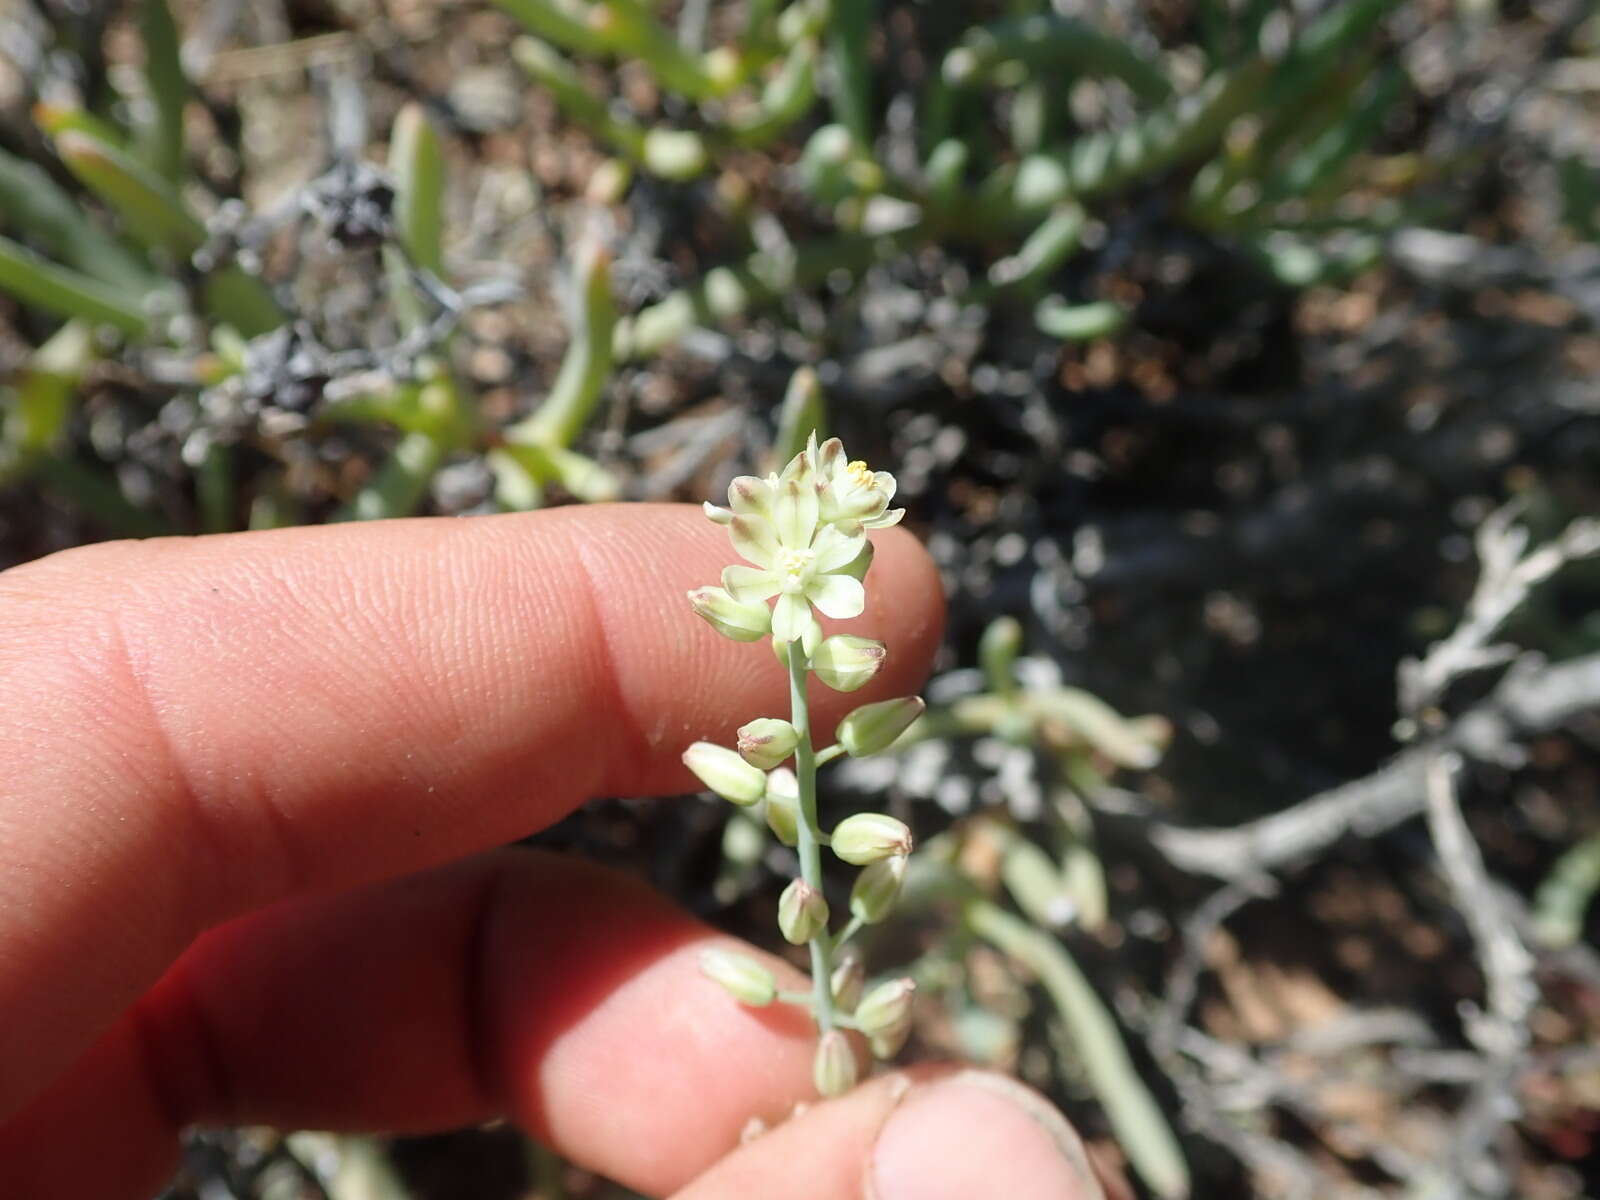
198	728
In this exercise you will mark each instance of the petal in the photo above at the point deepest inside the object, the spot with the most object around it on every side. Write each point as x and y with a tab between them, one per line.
830	458
753	537
720	515
883	521
750	496
795	514
836	549
884	482
837	595
749	585
791	617
811	638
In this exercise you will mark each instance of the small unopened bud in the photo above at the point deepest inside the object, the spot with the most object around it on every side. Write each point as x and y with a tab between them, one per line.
874	727
890	1043
858	566
725	773
802	913
877	888
746	980
731	618
866	838
833	1069
845	662
783	805
767	741
847	981
885	1008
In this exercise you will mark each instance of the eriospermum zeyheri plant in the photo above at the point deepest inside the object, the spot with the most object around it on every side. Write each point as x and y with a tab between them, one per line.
803	534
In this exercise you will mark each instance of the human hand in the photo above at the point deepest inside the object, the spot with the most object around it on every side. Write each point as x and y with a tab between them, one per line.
233	771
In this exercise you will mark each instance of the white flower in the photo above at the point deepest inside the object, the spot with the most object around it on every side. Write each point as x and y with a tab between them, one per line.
775	527
851	493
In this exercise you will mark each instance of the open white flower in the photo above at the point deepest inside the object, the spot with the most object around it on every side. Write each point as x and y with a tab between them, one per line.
775	527
851	493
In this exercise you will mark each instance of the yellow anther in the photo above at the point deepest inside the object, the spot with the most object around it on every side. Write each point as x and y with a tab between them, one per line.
860	474
794	563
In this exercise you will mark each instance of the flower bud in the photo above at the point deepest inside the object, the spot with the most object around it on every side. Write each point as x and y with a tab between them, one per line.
877	888
845	662
802	913
891	1042
783	805
767	741
874	727
746	980
847	981
732	618
857	567
885	1008
725	773
866	838
833	1069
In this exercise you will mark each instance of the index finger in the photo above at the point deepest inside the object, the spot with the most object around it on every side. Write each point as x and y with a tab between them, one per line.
195	728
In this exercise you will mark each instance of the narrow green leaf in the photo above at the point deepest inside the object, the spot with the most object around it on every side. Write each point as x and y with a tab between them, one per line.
586	366
851	95
239	299
803	413
163	72
1050	46
65	292
149	206
34	413
417	164
1079	322
1135	1117
35	206
55	119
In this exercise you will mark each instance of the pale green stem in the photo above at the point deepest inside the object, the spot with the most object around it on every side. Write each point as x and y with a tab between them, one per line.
824	757
810	844
855	926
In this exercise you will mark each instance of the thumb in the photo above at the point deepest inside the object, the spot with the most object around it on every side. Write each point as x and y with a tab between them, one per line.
913	1136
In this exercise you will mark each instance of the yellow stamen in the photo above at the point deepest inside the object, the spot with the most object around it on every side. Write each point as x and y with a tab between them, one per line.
860	474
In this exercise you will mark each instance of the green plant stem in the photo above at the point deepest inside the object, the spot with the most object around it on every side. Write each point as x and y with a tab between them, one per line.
827	755
853	927
810	845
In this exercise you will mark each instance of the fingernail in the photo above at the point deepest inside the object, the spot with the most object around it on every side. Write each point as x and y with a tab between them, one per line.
978	1134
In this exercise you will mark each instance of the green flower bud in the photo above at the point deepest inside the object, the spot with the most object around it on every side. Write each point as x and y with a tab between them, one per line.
887	1045
847	981
783	805
833	1069
767	741
729	617
725	773
874	727
802	913
866	838
877	888
886	1008
746	980
845	662
857	567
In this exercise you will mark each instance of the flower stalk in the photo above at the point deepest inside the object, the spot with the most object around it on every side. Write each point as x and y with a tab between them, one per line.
803	535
